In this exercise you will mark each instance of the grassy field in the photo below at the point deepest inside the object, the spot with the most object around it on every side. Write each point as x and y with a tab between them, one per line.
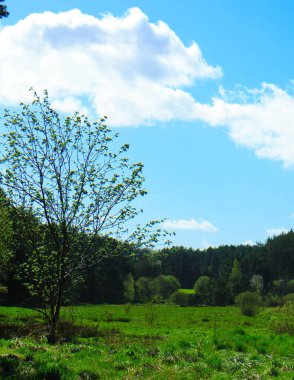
187	291
145	342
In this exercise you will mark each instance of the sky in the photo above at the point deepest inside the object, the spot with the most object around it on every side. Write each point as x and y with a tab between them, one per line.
202	90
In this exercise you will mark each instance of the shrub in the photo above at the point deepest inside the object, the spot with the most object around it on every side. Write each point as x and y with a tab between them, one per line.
179	298
144	289
273	300
151	313
129	288
160	287
165	285
203	287
3	289
289	297
248	303
283	320
128	307
256	283
290	286
183	299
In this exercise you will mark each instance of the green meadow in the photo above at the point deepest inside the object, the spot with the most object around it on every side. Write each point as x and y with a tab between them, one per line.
145	342
187	291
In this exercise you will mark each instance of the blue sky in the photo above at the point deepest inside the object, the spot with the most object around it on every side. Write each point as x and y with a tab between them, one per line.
202	91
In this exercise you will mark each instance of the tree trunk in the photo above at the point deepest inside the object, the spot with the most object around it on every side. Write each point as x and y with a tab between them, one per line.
54	318
52	336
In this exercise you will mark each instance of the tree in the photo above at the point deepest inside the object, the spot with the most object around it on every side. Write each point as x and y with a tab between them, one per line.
144	289
279	287
256	283
203	288
248	302
235	278
290	286
129	288
63	171
165	285
6	236
3	10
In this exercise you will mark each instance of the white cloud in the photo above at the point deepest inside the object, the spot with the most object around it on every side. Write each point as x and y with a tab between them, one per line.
189	224
276	231
259	119
248	242
127	68
206	245
136	72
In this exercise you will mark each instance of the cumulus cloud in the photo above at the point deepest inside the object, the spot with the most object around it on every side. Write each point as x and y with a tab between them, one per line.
276	231
259	119
137	73
127	68
189	224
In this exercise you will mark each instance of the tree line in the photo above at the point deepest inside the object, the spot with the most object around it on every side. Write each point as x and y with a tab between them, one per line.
217	275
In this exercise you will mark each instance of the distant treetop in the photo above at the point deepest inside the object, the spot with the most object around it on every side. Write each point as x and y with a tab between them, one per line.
3	10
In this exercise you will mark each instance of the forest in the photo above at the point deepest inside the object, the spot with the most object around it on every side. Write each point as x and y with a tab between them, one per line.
218	275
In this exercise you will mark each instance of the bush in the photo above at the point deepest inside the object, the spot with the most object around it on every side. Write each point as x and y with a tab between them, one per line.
248	303
283	320
204	289
160	287
184	299
289	297
3	289
290	286
151	313
273	300
165	285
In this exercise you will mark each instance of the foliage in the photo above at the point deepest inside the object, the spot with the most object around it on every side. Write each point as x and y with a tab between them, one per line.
273	300
248	303
3	290
144	289
3	10
184	298
290	286
65	174
236	275
203	288
128	307
129	288
160	287
279	287
151	312
103	282
256	283
283	320
280	251
187	291
164	285
6	238
288	297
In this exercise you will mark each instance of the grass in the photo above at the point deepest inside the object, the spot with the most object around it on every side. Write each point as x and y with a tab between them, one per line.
187	291
181	343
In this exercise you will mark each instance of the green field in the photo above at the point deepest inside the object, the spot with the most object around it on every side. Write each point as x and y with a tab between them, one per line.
145	342
187	291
